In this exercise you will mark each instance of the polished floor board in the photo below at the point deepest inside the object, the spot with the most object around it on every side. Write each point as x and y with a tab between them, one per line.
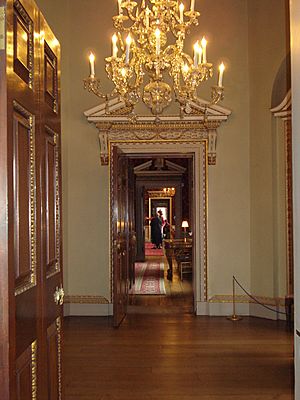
172	357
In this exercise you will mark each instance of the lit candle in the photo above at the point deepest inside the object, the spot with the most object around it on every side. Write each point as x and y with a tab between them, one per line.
157	34
147	17
203	44
196	53
221	73
92	65
181	8
192	5
123	72
120	7
128	43
185	69
200	51
115	47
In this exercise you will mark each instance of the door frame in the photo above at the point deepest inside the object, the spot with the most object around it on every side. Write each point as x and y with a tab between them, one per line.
160	198
198	150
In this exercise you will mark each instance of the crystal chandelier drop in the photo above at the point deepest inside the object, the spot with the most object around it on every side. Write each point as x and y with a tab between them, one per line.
147	47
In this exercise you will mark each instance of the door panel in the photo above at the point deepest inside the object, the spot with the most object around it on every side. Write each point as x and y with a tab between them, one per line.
120	231
30	205
26	374
54	360
24	181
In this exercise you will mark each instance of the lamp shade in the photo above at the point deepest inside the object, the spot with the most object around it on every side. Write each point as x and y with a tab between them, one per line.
185	224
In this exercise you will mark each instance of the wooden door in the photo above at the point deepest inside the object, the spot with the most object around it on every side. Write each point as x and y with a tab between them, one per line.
120	231
131	223
29	218
140	221
50	137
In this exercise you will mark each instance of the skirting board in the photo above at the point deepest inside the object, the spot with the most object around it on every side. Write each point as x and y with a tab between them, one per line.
245	309
203	308
261	312
88	310
221	309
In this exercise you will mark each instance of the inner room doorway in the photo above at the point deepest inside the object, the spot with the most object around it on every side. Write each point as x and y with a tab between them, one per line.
162	276
123	214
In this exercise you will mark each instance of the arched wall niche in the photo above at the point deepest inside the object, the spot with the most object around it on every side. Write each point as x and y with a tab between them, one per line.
283	111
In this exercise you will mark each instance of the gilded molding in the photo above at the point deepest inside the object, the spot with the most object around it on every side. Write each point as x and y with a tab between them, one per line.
59	357
85	299
34	370
29	24
30	119
165	131
56	269
243	298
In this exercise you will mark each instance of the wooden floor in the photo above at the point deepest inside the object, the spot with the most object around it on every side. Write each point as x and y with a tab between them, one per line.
177	357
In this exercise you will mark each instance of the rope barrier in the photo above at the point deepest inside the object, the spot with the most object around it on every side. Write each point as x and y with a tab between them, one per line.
253	298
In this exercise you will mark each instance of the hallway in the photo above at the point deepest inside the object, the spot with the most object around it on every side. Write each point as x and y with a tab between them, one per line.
173	357
179	294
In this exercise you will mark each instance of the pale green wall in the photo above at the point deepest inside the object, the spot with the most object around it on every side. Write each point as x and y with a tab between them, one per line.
85	25
229	192
267	51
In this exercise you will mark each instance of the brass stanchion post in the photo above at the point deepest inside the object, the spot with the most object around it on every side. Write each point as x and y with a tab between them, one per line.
233	317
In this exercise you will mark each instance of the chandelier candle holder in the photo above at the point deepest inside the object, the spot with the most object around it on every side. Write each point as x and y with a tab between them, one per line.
147	47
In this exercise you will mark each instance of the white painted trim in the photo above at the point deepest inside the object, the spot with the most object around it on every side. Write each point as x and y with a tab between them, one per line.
150	119
101	112
295	65
88	310
285	104
283	110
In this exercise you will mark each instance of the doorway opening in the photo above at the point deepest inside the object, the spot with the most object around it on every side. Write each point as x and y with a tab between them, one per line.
137	168
162	273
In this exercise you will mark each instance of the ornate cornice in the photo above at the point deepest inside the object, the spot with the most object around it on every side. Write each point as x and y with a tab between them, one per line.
115	122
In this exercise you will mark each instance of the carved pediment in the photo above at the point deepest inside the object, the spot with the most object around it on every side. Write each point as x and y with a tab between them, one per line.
159	167
115	110
116	122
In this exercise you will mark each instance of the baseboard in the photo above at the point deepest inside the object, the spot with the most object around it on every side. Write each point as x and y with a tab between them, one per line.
88	310
259	311
221	309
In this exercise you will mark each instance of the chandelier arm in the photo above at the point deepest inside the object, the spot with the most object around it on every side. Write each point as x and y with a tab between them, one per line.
93	86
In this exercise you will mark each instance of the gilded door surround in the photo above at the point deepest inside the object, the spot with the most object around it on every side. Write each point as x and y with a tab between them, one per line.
197	148
115	122
284	111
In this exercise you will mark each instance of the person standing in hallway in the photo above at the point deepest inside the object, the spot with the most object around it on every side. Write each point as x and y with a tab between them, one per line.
156	229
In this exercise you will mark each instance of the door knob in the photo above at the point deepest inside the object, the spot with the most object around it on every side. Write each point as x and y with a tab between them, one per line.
59	295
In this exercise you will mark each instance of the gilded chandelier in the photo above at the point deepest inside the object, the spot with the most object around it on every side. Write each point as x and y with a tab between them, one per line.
148	46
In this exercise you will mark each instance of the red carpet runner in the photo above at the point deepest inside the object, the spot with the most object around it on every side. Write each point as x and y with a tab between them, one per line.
149	251
149	278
